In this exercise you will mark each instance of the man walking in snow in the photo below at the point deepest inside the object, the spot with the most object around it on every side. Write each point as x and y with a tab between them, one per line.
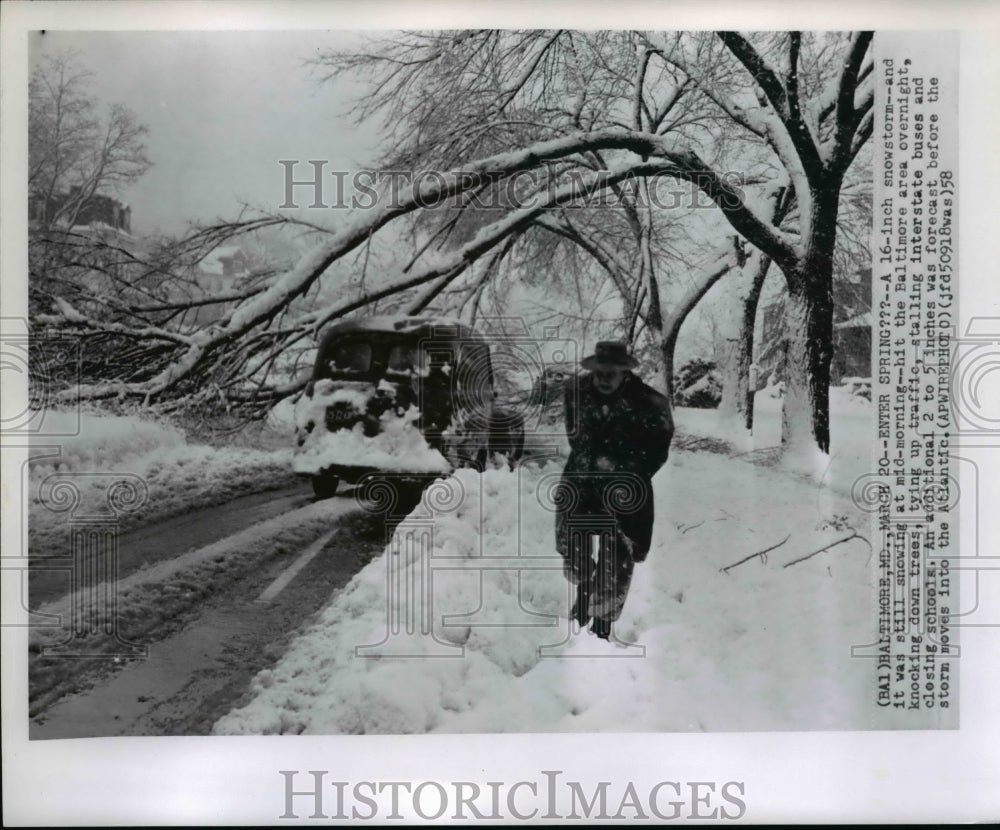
619	431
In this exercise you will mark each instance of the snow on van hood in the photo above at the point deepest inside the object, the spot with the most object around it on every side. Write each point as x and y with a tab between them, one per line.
399	446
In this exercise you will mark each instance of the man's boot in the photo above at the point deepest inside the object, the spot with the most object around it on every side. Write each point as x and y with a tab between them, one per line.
602	628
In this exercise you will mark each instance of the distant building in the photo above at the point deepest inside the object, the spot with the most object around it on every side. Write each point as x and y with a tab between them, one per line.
852	332
221	267
96	213
219	271
225	261
86	242
852	327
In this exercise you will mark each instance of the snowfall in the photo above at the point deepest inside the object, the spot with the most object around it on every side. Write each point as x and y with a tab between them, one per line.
743	617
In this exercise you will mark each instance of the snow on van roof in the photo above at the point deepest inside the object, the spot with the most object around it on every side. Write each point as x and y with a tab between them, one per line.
388	323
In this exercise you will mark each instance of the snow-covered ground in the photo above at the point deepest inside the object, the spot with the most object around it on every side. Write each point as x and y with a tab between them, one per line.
850	436
147	468
761	646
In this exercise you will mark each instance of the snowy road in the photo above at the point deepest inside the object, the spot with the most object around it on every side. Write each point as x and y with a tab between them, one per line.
757	589
163	540
200	662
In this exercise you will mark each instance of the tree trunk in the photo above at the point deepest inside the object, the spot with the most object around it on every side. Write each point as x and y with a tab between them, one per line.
735	367
668	330
809	327
668	344
737	392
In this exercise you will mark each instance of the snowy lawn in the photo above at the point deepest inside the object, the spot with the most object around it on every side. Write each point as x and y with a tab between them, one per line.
164	474
760	647
851	431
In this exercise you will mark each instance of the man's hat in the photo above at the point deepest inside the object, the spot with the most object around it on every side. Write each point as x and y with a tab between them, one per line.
609	353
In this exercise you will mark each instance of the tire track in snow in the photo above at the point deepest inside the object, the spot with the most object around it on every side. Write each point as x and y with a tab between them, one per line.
168	538
195	674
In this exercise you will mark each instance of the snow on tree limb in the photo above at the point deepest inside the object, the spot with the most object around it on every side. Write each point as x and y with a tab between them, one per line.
665	159
622	105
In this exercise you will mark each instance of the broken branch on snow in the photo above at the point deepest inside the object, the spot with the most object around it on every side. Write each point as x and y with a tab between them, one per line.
761	553
854	535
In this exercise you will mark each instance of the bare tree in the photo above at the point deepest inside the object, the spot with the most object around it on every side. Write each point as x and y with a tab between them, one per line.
76	151
805	99
548	120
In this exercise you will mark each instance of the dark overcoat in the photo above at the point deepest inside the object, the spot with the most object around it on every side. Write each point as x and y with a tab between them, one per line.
631	431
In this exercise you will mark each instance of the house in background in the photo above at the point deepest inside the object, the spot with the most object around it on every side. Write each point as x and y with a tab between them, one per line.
83	242
97	213
852	327
103	210
222	267
220	271
852	332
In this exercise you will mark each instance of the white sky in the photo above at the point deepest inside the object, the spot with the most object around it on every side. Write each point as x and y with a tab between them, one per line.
222	108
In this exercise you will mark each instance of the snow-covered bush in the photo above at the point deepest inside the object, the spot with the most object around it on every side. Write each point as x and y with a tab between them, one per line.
859	389
697	385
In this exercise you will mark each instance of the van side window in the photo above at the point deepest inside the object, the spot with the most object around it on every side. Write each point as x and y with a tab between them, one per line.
441	356
407	358
349	357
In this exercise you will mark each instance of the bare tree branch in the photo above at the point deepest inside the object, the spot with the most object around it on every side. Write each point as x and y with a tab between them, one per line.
761	553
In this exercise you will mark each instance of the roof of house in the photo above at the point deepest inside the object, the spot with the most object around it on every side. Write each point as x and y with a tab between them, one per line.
212	261
102	228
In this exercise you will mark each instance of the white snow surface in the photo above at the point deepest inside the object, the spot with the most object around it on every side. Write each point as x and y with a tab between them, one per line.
762	647
398	447
167	475
850	435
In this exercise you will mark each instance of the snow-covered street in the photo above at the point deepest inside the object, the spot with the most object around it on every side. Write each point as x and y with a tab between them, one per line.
758	584
760	646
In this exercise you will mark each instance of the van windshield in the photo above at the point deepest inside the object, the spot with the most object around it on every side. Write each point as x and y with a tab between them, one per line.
349	357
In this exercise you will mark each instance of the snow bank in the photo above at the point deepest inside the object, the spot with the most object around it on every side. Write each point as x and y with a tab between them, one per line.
851	435
103	442
852	396
164	474
760	647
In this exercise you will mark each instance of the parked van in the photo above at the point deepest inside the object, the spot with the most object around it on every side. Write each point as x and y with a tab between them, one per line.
414	397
